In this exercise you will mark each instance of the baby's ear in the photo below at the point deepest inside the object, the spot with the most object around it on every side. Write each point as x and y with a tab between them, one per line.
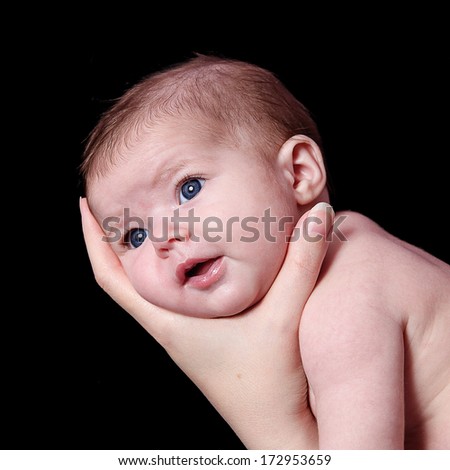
302	163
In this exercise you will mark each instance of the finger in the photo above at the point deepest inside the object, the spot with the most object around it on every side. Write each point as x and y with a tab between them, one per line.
111	277
301	267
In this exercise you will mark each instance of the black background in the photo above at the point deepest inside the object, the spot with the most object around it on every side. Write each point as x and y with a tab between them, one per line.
78	372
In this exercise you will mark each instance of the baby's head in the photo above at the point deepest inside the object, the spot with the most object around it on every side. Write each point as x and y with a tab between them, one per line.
198	175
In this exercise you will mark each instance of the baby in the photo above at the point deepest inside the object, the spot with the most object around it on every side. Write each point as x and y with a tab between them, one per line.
198	176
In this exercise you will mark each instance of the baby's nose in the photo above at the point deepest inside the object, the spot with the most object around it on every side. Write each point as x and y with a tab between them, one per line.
168	238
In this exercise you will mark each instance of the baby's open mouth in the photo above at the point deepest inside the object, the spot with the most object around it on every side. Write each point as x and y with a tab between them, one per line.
200	272
200	268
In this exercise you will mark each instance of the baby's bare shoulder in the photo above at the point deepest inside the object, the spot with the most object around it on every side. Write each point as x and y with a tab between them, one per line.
352	295
356	261
367	266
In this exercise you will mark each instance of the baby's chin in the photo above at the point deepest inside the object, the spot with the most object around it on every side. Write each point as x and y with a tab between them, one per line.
217	309
214	312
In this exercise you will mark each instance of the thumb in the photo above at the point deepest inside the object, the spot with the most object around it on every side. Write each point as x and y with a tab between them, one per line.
306	252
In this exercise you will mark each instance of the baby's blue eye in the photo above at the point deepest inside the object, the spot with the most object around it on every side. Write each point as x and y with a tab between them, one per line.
136	237
190	188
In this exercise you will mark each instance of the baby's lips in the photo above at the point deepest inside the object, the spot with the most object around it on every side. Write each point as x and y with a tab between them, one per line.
185	266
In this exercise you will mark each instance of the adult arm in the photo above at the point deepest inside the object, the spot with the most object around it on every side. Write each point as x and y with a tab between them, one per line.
249	365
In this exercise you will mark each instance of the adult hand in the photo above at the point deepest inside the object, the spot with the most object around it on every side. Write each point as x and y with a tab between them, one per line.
248	365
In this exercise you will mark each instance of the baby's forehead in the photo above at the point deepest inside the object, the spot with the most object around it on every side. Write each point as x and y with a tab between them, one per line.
150	159
157	152
196	128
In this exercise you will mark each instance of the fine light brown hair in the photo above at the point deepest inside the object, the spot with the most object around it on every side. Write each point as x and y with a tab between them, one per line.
235	100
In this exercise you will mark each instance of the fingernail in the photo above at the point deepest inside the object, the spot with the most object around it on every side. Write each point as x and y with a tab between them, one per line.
323	206
319	226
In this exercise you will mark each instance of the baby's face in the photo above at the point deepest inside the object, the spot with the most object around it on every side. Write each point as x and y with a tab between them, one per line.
203	228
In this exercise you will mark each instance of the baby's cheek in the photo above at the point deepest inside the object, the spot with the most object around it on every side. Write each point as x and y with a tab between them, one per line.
269	256
140	275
